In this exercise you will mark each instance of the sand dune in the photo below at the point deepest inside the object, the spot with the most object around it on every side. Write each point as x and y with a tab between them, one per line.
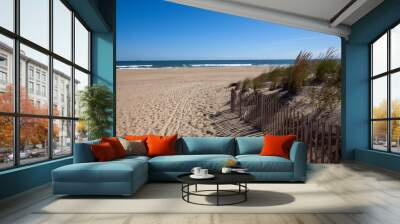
175	100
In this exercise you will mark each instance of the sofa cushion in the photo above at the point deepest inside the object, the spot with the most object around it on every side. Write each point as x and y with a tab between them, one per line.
161	145
103	152
257	163
207	145
133	158
116	145
277	145
249	145
136	137
134	147
112	171
185	163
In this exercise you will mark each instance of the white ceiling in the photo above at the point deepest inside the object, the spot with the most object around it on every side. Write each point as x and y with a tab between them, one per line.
321	9
326	16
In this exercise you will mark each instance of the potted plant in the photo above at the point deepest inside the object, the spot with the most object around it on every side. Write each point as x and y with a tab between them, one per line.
96	102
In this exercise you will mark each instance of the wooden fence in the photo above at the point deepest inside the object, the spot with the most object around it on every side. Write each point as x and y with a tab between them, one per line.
266	113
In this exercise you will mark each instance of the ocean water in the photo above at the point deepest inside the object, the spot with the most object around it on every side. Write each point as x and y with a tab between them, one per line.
201	63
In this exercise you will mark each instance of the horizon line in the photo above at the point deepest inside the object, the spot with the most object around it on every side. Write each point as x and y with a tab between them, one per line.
205	59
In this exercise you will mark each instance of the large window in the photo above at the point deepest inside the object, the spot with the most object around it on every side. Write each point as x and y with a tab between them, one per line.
44	64
7	14
385	91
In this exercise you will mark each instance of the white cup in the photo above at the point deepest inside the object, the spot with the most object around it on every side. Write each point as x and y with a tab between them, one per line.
203	172
226	170
196	171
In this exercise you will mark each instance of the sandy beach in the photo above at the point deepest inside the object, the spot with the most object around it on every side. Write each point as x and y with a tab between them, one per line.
175	100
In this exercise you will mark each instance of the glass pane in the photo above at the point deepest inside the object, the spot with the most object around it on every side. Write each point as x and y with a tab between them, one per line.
62	29
62	89
33	139
81	131
62	138
379	97
7	14
6	142
6	74
395	95
34	97
379	135
395	47
81	45
395	138
81	82
379	55
35	21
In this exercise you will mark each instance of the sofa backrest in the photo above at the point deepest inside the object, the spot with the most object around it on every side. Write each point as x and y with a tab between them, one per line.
249	145
206	145
83	152
190	146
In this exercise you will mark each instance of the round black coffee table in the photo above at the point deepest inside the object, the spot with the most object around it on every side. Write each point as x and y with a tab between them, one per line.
238	179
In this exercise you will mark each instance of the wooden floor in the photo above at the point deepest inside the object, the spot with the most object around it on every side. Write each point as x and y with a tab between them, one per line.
378	189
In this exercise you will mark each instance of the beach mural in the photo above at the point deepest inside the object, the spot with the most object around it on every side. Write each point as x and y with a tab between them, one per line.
194	97
184	97
234	98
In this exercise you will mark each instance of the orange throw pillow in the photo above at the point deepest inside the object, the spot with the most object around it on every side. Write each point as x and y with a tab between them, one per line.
116	145
136	137
277	145
103	152
161	145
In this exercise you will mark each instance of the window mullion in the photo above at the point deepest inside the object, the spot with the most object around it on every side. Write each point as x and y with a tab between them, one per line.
389	104
50	81
73	81
16	70
371	89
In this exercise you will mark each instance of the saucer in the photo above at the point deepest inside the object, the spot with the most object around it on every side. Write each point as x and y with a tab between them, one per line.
208	176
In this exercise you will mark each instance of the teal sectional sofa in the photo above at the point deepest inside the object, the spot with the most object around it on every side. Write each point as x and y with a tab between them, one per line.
125	176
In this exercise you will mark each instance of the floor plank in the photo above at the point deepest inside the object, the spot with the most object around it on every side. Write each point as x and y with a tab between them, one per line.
376	189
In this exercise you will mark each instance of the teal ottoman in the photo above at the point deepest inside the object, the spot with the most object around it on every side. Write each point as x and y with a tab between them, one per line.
118	177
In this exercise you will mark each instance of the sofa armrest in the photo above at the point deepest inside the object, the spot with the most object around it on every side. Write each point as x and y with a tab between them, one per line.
298	155
83	152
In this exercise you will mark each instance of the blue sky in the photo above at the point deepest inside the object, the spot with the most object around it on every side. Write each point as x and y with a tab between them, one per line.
159	30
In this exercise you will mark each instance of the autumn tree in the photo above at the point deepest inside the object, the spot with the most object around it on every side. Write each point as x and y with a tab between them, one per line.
33	131
380	127
6	122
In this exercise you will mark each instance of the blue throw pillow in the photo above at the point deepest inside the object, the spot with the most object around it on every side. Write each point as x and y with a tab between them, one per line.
249	145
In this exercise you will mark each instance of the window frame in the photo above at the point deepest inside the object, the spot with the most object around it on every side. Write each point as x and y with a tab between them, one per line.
388	74
16	114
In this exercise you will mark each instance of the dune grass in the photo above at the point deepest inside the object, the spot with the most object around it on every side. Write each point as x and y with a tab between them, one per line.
326	69
322	74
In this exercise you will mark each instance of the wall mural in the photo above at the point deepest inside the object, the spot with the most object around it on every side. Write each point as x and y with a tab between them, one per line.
234	98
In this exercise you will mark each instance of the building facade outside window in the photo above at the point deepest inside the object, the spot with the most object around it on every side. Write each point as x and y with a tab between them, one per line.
385	91
45	131
3	78
3	72
30	87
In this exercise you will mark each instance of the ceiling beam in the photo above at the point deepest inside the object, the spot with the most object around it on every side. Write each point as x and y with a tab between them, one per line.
347	11
268	15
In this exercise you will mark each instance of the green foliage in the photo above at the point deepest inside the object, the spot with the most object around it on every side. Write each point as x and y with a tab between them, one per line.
97	104
299	72
328	68
324	73
290	78
245	84
278	77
